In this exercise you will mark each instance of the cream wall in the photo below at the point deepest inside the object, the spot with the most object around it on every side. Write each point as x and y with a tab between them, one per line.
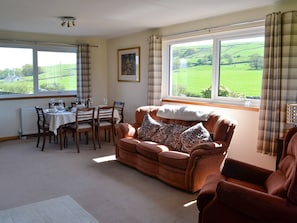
10	109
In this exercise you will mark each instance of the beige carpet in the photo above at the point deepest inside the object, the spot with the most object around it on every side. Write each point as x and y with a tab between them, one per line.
57	210
105	188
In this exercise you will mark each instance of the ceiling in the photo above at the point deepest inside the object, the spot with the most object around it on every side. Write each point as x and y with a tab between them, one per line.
112	18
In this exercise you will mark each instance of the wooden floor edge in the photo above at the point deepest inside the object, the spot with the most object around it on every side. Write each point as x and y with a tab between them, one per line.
2	139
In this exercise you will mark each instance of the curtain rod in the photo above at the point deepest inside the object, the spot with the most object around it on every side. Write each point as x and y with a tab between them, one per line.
216	27
40	42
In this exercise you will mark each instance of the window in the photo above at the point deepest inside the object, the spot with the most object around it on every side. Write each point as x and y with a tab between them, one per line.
37	70
223	67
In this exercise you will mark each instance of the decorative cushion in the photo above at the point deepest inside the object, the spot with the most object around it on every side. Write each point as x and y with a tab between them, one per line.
193	135
148	127
169	134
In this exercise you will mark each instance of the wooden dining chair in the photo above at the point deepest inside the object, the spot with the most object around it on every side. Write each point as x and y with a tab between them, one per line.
42	127
84	123
119	105
105	121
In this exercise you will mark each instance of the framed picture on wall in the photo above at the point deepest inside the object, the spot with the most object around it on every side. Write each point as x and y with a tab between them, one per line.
129	64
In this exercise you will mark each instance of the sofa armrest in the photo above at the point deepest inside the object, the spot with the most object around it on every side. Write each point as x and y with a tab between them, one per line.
207	192
244	171
208	148
252	205
125	130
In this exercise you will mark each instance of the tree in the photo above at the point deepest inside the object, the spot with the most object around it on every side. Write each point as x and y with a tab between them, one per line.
27	70
256	62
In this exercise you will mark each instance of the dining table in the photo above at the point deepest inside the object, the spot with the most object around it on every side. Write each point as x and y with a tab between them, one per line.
57	118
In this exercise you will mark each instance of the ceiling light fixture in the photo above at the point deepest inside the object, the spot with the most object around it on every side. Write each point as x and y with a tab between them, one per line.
68	21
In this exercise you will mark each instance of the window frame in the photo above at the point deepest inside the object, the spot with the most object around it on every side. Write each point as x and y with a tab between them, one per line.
35	48
242	31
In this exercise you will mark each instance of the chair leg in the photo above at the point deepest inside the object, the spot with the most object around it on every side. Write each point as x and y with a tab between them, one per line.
43	143
94	139
38	138
77	142
99	140
113	134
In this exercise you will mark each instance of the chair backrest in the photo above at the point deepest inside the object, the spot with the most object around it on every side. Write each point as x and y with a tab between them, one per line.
41	121
85	115
119	105
288	164
105	114
283	182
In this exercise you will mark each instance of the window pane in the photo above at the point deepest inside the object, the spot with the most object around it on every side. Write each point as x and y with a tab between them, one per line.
241	66
191	69
16	71
56	71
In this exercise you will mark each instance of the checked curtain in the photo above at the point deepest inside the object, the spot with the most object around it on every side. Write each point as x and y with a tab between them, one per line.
83	71
155	70
279	85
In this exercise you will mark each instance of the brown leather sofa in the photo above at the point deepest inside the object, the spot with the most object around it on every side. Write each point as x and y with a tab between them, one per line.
246	193
183	170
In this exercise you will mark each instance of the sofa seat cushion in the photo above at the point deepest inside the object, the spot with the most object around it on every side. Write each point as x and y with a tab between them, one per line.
150	149
174	159
128	144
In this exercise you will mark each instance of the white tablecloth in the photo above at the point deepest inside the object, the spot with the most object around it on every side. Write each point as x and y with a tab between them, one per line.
56	119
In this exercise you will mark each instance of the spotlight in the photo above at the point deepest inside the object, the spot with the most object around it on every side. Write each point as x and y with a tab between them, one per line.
68	20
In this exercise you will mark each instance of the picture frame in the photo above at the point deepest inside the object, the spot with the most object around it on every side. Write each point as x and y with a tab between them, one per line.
129	64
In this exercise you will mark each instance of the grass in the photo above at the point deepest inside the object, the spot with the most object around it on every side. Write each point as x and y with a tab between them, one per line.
236	74
239	79
53	78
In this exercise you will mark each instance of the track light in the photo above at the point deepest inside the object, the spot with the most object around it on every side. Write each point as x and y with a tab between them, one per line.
68	20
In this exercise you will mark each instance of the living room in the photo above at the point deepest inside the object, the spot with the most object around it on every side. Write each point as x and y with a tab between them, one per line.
105	83
104	77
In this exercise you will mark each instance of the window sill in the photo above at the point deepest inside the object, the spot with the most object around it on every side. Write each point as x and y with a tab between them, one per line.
218	105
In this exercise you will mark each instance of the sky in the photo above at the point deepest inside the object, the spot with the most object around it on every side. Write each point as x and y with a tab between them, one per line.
18	57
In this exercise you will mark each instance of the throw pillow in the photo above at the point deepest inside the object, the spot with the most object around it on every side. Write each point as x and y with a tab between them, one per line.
168	134
148	127
193	135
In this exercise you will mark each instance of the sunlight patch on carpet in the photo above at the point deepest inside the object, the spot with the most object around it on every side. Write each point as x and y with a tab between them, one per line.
104	159
190	203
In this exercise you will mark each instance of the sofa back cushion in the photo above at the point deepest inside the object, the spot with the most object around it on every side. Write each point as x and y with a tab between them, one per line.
288	165
276	184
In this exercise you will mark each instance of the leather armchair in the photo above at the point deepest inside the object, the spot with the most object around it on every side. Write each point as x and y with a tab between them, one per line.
246	193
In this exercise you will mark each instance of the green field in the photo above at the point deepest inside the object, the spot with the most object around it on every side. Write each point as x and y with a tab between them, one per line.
51	78
240	70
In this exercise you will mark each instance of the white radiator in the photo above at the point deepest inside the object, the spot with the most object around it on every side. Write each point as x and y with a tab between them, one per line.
28	121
